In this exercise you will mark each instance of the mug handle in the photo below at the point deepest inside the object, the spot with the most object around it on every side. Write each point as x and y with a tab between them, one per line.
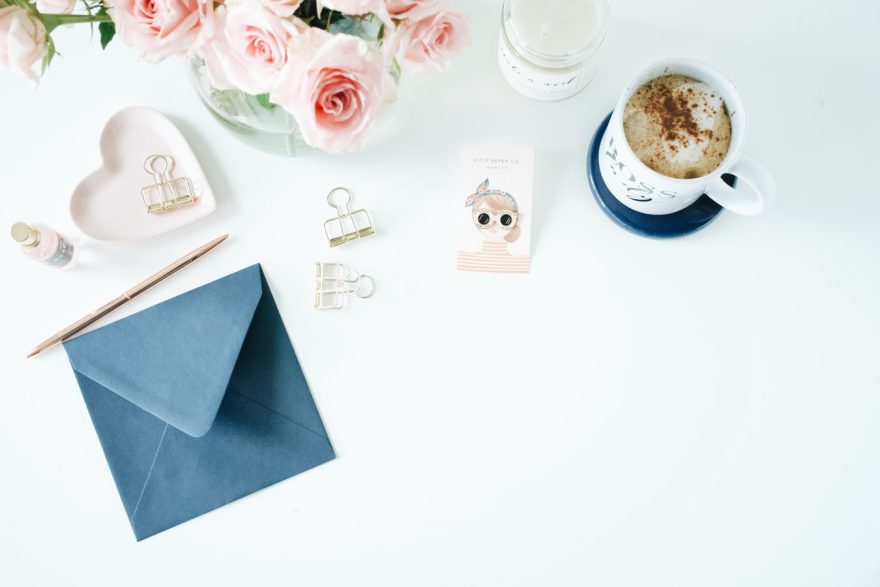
749	204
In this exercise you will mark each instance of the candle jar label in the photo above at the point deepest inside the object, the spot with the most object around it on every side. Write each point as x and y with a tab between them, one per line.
541	83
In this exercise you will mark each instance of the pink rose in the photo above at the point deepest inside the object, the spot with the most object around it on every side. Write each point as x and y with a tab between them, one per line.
282	7
22	41
247	47
411	9
55	6
433	40
335	86
158	29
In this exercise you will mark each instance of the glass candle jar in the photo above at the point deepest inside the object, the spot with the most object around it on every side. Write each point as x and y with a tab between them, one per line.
547	50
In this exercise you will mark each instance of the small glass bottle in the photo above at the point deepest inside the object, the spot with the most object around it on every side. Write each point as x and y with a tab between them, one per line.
41	243
547	49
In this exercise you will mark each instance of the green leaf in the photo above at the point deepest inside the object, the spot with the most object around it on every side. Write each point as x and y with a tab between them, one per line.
107	30
306	11
50	54
394	69
368	28
263	99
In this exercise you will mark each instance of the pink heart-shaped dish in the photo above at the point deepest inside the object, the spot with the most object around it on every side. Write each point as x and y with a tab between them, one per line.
107	205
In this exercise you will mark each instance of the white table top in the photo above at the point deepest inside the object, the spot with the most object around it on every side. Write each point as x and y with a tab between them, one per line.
693	412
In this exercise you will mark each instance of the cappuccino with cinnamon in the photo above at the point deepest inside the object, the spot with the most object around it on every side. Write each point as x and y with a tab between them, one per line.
678	126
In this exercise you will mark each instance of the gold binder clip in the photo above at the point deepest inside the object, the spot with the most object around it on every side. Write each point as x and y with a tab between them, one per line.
334	282
166	192
348	225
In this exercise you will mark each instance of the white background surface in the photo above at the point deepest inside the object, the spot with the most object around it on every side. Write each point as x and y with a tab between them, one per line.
696	412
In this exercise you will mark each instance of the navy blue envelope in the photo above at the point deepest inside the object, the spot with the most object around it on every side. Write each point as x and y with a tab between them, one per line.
198	401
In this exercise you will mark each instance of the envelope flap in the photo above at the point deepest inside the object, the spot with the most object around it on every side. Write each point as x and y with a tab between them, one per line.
175	359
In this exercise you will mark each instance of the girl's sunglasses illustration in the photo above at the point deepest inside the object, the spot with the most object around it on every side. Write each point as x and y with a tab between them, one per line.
486	218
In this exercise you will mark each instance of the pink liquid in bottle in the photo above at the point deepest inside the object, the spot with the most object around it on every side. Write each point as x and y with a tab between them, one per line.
41	243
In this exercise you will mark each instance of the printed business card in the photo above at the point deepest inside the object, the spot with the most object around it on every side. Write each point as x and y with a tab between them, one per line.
495	222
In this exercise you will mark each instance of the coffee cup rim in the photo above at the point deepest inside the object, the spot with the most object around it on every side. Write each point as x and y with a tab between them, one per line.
668	66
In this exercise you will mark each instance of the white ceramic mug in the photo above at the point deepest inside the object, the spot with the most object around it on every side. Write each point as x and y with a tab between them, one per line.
644	190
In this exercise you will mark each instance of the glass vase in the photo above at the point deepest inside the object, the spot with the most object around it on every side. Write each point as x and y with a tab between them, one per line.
252	119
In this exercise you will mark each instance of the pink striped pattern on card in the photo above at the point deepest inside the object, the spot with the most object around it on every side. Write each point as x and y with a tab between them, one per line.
493	258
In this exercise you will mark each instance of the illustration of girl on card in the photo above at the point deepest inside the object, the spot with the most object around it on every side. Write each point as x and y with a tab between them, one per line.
496	216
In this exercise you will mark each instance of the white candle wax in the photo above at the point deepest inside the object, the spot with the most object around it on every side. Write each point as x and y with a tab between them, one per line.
547	49
557	27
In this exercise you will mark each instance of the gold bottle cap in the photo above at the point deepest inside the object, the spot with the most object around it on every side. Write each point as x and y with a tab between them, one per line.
25	234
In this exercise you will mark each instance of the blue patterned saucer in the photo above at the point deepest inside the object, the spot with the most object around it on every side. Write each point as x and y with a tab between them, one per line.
691	219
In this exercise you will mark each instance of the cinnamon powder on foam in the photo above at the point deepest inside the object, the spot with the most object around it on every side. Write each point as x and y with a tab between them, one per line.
677	126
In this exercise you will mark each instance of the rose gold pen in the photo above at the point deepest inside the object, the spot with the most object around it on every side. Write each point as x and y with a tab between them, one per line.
135	291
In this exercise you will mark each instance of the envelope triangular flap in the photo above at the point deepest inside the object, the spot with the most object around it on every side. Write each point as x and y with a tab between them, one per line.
174	360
